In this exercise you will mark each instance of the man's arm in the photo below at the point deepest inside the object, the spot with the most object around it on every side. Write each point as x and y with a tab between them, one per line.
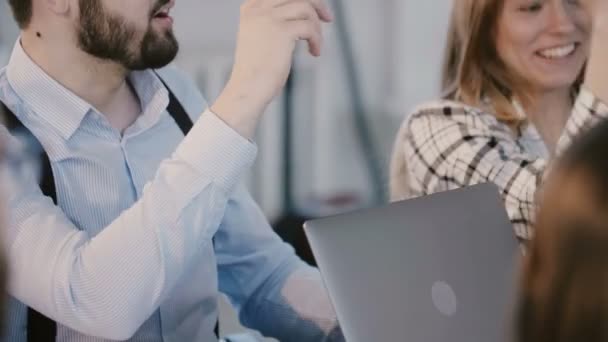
109	285
273	290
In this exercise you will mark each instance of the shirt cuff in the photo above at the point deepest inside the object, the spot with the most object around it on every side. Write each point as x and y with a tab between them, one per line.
216	150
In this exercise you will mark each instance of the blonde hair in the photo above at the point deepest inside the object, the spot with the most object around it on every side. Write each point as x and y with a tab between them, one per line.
473	72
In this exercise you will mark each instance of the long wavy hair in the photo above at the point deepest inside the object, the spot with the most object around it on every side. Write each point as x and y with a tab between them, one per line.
473	72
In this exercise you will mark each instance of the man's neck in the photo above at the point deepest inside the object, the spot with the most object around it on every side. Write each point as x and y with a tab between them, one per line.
95	81
102	84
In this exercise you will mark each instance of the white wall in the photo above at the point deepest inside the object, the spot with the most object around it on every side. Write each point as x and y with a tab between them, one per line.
8	31
420	33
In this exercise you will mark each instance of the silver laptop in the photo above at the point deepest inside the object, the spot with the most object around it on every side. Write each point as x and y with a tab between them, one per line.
435	269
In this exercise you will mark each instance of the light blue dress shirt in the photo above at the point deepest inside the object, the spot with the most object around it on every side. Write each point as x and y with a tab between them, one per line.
128	253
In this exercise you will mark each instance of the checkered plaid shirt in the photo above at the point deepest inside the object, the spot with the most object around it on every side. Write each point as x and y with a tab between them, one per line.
447	145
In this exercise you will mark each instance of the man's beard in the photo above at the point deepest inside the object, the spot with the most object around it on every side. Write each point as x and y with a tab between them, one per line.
111	38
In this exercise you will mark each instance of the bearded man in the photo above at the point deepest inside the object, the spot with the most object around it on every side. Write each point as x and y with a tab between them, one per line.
148	218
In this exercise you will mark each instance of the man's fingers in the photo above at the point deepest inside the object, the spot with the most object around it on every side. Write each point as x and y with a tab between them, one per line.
310	31
298	10
320	6
323	10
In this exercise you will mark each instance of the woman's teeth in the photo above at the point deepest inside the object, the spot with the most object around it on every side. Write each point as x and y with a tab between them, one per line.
558	52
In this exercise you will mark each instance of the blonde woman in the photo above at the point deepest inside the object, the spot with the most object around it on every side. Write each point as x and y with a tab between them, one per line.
513	99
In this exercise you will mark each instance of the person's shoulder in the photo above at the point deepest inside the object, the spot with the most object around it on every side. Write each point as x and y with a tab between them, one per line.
450	112
3	74
4	85
9	99
448	108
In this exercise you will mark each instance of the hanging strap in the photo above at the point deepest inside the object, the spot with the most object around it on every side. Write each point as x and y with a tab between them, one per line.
39	327
184	122
177	111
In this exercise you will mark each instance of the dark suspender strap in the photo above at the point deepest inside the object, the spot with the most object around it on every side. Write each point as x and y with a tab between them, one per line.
39	327
181	117
47	181
178	113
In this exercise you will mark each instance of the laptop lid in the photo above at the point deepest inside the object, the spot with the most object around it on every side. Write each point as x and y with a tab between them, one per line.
433	269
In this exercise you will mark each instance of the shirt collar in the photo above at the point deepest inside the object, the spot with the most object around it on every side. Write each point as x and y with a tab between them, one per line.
153	96
57	105
63	109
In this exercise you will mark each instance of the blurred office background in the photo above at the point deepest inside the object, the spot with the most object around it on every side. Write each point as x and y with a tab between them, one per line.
344	108
396	47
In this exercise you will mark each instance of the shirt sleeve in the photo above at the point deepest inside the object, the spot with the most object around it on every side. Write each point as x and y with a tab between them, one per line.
273	290
448	147
107	286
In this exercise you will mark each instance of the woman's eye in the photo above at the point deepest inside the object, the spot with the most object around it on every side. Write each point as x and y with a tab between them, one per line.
535	7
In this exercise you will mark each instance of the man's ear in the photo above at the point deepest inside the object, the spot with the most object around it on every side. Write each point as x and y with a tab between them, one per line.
59	7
